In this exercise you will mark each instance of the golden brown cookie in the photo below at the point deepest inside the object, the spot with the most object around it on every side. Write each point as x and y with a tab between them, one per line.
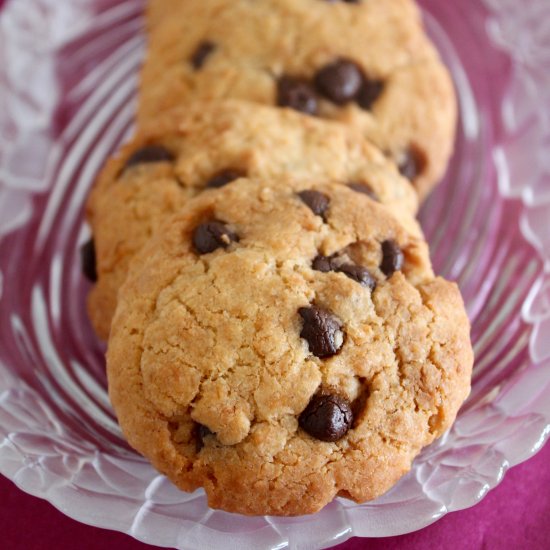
283	343
204	146
368	64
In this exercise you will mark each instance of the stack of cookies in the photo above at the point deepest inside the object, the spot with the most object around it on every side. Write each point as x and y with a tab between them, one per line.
276	333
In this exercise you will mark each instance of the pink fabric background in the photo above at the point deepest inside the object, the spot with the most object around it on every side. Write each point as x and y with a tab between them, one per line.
513	516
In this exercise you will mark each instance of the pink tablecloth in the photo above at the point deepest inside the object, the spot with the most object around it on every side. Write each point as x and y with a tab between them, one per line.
515	516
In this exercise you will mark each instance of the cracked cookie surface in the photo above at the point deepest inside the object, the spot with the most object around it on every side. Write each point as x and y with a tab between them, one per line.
368	64
208	145
281	343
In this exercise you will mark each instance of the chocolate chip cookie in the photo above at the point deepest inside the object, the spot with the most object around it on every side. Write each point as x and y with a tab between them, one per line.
368	64
206	146
282	343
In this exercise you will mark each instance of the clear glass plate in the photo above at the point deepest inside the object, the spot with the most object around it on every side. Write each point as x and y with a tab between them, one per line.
67	86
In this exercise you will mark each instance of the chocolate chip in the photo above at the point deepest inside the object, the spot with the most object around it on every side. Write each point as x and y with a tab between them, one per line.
210	236
221	179
204	49
392	258
317	202
327	417
370	91
150	154
411	164
365	189
340	81
359	274
88	261
297	94
323	264
322	330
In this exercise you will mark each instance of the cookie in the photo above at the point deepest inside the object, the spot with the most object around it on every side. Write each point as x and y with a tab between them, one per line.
205	146
282	343
367	64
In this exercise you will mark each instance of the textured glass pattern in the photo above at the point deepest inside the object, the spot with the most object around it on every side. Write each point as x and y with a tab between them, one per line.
68	74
